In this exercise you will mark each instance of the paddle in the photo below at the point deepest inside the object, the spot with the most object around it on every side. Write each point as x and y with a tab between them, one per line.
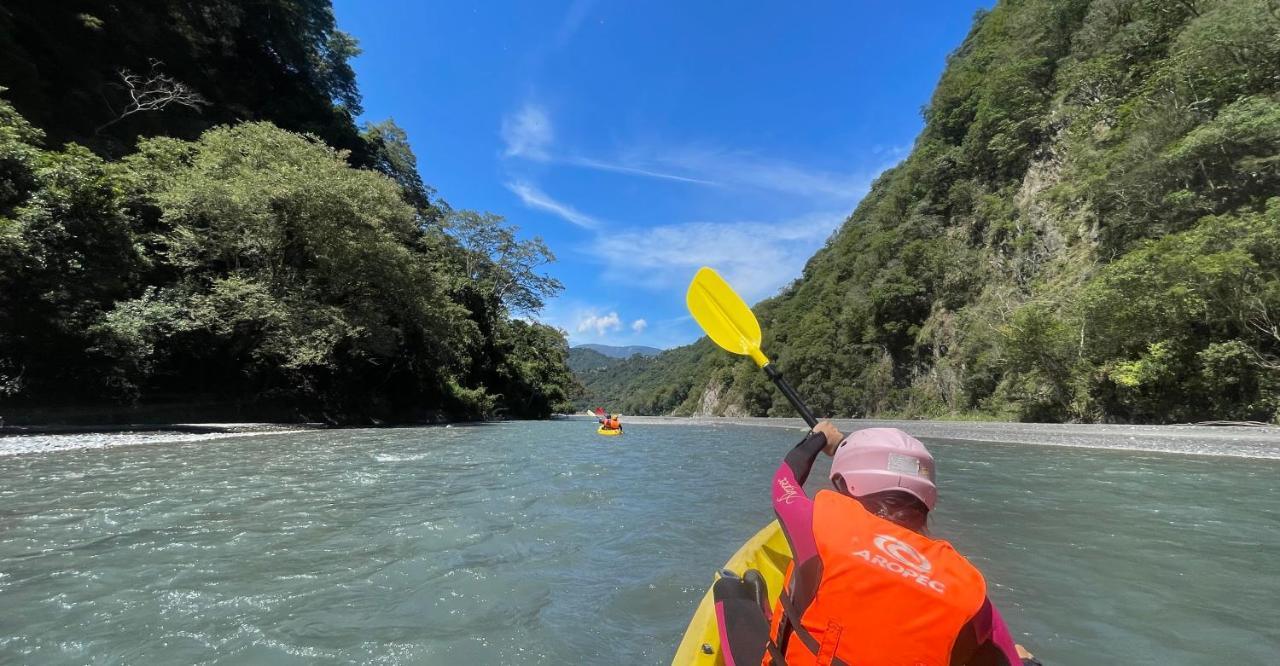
727	320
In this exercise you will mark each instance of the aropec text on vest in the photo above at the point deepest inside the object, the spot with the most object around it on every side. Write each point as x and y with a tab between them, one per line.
789	491
903	560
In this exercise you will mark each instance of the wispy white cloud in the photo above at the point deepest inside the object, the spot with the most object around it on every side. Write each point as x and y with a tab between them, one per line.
528	133
601	165
601	324
639	325
742	169
536	198
757	258
749	170
572	20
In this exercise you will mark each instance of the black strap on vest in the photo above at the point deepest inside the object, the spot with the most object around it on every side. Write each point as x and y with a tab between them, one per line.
790	625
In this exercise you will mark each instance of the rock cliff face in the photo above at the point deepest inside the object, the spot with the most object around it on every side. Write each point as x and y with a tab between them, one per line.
1087	229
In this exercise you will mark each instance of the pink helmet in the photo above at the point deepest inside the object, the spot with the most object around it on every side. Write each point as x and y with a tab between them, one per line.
877	459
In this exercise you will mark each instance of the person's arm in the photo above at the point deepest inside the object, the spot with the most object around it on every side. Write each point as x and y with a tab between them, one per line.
988	642
791	505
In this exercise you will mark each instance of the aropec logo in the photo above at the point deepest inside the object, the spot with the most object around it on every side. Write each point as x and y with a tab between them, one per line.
903	560
788	493
904	553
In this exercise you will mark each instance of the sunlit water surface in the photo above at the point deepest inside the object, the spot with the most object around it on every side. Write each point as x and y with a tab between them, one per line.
542	543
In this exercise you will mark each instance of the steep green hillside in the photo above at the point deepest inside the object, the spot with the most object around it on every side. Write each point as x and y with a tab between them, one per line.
1088	228
607	371
162	264
665	381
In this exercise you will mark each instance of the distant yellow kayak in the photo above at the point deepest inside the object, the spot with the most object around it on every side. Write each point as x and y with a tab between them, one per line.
766	552
608	432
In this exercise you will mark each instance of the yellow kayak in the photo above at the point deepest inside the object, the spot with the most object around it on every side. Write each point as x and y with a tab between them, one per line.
608	432
766	552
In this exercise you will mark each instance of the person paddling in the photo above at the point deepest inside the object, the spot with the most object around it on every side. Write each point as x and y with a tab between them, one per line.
868	585
608	421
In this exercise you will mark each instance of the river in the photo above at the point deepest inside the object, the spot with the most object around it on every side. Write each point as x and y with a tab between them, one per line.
542	543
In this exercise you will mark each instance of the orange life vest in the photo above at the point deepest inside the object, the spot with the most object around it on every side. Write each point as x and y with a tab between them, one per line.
885	596
612	424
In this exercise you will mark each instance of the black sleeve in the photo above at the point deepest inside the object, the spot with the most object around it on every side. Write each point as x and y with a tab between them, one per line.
801	458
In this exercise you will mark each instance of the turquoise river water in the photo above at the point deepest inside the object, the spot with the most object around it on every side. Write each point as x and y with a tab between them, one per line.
542	543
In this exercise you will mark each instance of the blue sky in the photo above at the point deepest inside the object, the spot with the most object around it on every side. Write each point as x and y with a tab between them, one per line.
642	140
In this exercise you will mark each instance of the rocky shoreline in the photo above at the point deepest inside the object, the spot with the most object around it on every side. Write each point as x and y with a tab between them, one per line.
1226	440
1262	442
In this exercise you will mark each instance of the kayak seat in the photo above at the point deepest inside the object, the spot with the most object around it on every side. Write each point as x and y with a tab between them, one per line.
742	609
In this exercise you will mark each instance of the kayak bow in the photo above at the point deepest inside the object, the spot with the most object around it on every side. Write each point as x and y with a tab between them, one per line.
766	552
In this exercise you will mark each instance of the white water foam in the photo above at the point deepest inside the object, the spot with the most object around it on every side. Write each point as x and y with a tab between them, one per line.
14	445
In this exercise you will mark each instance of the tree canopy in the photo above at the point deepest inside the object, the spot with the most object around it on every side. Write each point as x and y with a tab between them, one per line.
189	215
285	61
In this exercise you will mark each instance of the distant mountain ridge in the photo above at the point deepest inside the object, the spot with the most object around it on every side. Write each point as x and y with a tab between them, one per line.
582	360
621	352
602	376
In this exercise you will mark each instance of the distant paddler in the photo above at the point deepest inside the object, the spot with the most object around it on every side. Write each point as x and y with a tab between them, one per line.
611	422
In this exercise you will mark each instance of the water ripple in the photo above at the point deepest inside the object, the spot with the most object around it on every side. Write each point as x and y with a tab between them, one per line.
536	543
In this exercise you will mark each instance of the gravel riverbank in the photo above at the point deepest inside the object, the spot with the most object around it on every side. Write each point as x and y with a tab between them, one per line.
1235	441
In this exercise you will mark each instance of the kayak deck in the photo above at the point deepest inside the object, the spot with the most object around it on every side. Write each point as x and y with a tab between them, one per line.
609	432
766	552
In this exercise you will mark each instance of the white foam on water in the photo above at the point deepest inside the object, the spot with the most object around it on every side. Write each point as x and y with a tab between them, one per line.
14	445
389	457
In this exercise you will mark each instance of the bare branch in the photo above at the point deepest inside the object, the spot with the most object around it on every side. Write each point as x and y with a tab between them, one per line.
154	91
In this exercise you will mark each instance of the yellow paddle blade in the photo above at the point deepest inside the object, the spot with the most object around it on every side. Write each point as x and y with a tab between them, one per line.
723	315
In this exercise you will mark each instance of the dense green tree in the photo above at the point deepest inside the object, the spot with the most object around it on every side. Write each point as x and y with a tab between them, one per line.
257	265
279	60
500	265
68	253
533	377
287	258
200	254
1186	324
390	153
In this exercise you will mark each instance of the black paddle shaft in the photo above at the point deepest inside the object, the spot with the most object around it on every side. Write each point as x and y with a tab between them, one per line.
791	395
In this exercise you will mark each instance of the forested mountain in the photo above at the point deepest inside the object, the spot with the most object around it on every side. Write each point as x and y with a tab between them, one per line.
622	352
1087	229
664	381
582	359
190	254
607	370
